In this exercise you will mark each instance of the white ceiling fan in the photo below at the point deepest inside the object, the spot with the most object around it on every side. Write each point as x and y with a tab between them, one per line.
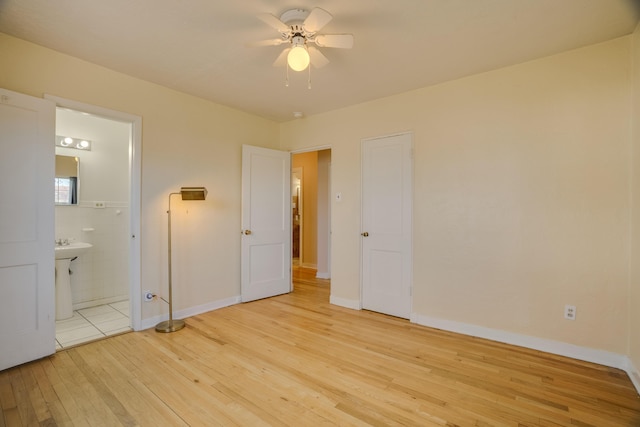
299	28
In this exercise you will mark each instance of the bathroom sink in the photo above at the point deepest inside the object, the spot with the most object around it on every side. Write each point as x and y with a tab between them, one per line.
72	250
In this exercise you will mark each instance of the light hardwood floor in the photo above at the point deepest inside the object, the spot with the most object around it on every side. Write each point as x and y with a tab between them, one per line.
296	360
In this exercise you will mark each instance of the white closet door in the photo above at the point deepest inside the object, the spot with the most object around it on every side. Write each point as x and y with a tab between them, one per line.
387	225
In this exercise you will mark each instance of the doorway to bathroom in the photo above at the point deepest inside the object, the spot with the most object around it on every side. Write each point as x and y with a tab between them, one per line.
103	215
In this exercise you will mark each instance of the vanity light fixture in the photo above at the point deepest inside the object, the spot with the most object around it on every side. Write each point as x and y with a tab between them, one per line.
187	193
69	142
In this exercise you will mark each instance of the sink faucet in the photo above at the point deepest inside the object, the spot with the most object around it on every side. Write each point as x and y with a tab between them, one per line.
62	242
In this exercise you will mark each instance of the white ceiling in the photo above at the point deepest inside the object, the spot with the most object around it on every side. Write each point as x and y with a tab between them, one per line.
198	46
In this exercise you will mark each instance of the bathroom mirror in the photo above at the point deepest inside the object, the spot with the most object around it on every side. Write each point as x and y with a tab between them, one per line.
66	180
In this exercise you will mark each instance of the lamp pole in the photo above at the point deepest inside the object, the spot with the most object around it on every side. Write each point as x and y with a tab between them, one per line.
187	193
170	325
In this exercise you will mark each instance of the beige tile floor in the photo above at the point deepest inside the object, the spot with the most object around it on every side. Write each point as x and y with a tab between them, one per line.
89	324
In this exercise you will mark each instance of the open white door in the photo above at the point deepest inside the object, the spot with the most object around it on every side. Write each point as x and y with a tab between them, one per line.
266	223
387	181
27	277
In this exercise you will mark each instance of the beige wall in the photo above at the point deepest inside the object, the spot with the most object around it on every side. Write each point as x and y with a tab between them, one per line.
634	282
185	141
309	164
521	194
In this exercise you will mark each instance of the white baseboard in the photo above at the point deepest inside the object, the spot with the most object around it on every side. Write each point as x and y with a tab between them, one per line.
191	311
353	304
634	374
323	275
587	354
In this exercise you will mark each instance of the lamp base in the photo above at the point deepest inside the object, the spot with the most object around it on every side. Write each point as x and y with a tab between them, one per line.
170	326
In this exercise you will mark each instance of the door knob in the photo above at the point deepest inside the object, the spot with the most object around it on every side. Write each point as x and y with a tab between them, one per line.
247	232
365	234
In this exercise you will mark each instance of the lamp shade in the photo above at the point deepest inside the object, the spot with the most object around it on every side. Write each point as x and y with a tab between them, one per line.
298	58
193	193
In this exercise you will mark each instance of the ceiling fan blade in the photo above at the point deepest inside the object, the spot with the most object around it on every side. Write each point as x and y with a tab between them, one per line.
317	19
281	60
274	22
318	60
271	42
343	41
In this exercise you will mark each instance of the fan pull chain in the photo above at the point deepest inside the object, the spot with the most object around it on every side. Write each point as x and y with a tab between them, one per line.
309	83
286	81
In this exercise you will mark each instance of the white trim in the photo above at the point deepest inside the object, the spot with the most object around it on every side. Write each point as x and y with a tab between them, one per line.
550	346
310	149
299	172
135	168
191	311
323	275
389	135
634	374
353	304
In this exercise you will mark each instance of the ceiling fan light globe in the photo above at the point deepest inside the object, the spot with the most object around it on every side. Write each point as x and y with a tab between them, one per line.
298	58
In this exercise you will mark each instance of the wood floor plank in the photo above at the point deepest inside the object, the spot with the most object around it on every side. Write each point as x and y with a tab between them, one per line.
23	402
62	394
7	398
297	360
117	374
40	407
58	412
12	417
84	394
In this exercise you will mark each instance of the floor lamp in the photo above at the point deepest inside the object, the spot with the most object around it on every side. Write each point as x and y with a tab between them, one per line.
187	193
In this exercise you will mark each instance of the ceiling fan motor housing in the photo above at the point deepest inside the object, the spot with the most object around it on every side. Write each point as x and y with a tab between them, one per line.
292	16
298	40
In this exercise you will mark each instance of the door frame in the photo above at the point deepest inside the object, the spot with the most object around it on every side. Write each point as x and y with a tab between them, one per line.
301	220
330	202
135	168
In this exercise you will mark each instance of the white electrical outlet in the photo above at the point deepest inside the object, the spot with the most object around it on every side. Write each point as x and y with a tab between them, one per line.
570	312
147	296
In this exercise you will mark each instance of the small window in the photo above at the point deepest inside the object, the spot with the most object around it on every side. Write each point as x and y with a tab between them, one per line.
66	191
